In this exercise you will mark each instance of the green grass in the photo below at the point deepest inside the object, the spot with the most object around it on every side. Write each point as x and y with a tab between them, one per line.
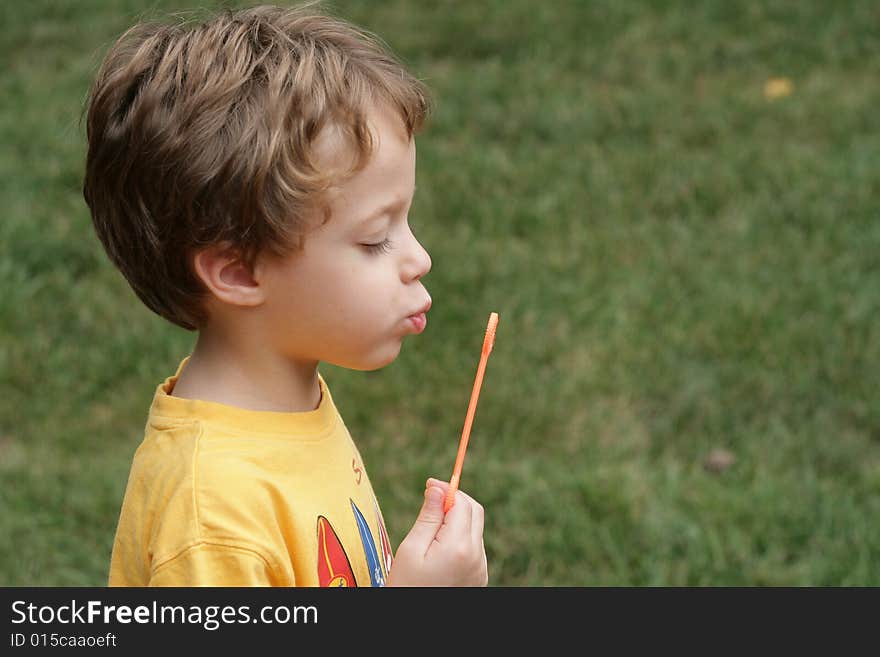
679	264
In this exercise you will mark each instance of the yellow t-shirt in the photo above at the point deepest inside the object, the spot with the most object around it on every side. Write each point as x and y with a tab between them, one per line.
222	496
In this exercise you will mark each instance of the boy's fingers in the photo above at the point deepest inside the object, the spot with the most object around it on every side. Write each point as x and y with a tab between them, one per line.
458	520
436	482
470	524
430	519
477	525
477	519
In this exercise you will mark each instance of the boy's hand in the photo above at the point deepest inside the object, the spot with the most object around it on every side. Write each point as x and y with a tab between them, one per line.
442	550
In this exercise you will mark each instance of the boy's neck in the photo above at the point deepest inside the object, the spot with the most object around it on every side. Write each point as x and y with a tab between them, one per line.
239	374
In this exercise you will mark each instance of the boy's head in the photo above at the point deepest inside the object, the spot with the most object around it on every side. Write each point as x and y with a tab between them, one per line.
216	145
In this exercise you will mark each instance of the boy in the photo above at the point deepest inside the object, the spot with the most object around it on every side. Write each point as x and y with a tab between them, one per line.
251	177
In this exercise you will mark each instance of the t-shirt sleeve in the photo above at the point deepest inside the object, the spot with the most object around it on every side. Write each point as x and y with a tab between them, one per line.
207	564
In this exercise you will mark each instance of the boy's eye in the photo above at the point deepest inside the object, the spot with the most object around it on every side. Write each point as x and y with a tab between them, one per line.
382	247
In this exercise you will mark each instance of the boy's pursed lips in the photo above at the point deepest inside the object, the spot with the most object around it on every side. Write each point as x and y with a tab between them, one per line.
424	309
418	320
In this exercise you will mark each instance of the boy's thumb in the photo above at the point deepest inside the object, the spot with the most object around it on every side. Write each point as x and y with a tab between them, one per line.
430	517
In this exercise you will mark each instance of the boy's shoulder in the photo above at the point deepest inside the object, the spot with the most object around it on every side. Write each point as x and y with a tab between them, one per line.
185	437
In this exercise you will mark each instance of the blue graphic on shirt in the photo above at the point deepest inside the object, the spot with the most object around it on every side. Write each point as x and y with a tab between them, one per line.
377	578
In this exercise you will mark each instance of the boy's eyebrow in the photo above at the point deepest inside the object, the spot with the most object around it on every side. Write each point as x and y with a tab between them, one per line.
385	208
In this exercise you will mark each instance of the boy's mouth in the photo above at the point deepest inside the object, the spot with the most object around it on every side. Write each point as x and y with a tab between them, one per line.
419	319
419	322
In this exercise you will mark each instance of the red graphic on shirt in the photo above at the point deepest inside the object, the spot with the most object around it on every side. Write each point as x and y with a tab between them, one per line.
334	568
357	470
383	540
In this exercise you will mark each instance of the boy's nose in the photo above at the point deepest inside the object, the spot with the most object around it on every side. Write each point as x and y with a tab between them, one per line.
424	262
418	261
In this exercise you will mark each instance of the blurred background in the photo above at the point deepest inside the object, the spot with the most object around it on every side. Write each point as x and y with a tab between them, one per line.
675	209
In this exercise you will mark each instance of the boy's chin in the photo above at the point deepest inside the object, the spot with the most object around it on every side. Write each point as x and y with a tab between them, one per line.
373	362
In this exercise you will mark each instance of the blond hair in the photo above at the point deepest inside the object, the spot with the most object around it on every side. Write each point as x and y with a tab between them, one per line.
202	133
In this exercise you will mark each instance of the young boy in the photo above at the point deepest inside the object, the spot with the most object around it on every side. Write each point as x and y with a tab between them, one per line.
251	178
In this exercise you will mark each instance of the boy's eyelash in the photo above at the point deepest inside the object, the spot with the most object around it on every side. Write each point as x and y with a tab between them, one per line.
382	247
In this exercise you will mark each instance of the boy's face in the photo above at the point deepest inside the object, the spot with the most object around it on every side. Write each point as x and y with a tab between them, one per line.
341	300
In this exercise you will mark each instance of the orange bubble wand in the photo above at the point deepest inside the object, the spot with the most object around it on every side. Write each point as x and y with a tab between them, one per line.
488	343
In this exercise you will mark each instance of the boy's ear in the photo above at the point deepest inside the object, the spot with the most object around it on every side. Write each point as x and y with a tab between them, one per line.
227	276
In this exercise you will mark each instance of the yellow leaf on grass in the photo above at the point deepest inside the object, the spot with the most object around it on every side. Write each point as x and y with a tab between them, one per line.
777	88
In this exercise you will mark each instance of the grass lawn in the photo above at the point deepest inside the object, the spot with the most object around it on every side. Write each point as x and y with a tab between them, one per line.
681	264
